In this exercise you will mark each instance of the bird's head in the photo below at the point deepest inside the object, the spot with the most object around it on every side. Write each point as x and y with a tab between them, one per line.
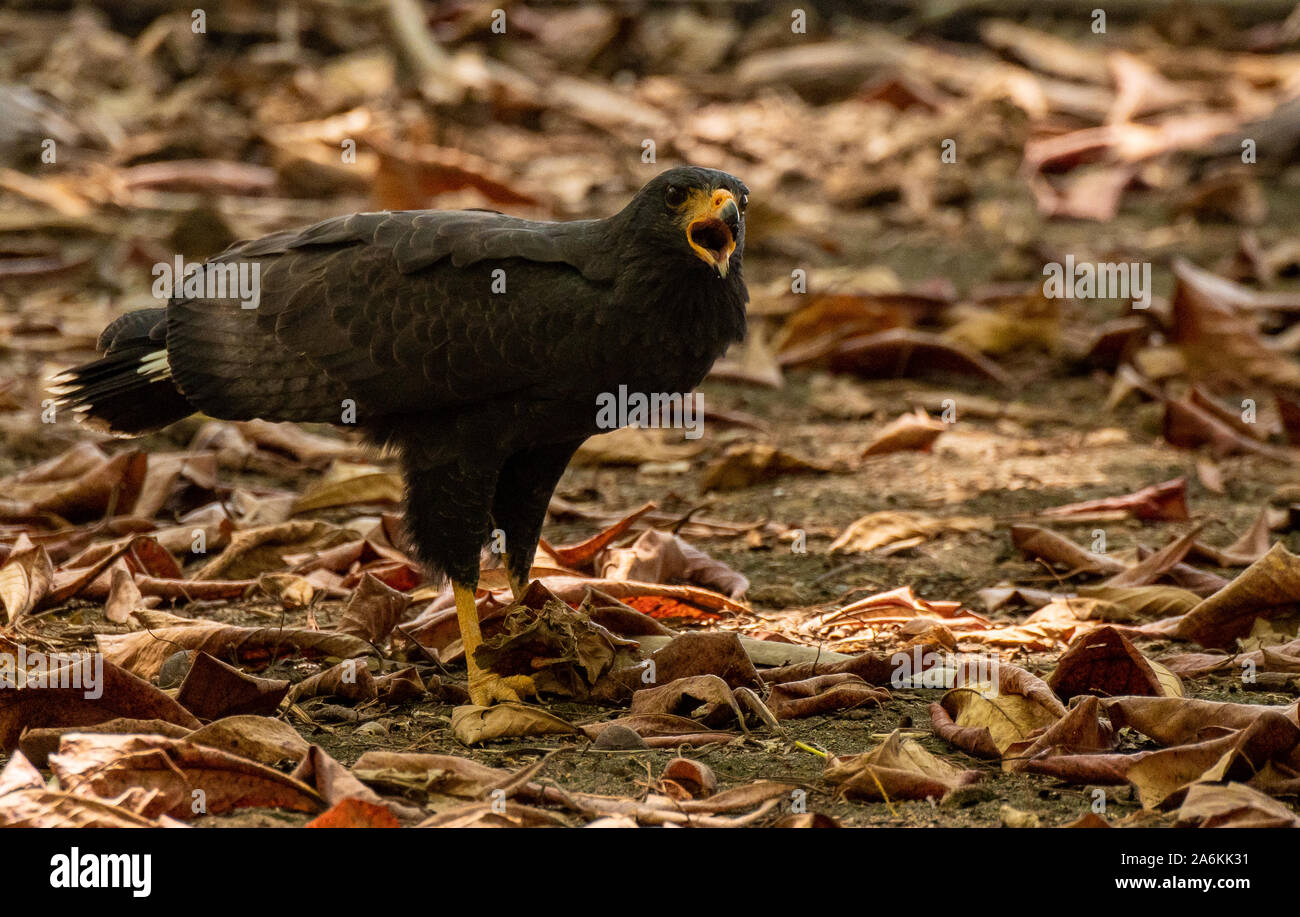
698	214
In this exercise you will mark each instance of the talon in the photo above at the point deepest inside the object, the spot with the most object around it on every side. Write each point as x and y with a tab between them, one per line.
488	688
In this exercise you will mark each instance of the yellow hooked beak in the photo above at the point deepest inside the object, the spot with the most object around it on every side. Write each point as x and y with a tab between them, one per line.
713	222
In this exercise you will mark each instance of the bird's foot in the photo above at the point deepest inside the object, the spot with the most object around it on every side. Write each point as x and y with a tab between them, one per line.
488	688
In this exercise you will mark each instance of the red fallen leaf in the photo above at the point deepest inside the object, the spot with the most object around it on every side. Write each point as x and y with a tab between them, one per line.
974	740
1101	662
212	689
662	557
179	590
823	694
1034	541
1190	426
332	780
144	651
402	576
373	610
349	679
1156	565
577	556
117	693
354	813
1166	502
161	774
906	353
143	555
664	608
1289	410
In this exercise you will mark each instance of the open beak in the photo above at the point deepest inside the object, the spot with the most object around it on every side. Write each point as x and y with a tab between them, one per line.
713	228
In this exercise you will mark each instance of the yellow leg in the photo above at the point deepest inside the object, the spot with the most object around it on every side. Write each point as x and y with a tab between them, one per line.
485	688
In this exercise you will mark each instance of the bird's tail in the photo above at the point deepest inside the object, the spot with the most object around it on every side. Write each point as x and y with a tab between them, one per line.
129	389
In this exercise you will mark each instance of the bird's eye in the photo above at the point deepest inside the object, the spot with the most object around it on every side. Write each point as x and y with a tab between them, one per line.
744	201
675	195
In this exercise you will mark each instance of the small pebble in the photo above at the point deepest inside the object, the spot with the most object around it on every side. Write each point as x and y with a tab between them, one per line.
174	669
619	738
336	712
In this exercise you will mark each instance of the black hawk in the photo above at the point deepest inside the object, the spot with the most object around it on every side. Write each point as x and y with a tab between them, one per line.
475	344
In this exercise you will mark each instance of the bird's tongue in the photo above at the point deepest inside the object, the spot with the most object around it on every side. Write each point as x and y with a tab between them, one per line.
713	236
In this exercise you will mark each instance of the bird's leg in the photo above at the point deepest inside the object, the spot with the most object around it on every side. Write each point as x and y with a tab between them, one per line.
517	583
485	688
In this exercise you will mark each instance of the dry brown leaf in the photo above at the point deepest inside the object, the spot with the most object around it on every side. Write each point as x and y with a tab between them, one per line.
899	530
143	652
914	432
1267	587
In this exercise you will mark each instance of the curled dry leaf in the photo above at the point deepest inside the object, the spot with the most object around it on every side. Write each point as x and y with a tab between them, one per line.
143	652
745	464
704	698
163	774
373	610
39	743
1103	663
823	694
913	432
74	691
258	738
212	689
25	579
1061	551
1161	777
473	725
350	680
1004	699
898	768
684	778
26	803
899	530
348	485
1165	502
1267	587
1232	805
662	557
